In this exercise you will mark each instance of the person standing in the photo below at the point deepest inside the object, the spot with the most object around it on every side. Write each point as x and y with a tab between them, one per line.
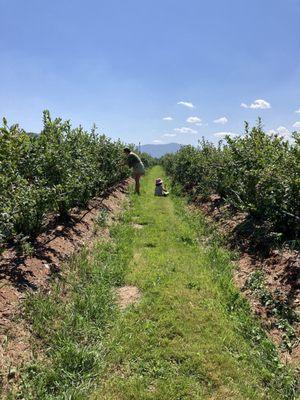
138	169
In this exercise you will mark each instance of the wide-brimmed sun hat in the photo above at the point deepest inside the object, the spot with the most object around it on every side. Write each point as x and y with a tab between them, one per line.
158	181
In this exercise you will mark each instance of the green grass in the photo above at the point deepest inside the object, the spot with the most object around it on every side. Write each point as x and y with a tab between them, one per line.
70	324
191	336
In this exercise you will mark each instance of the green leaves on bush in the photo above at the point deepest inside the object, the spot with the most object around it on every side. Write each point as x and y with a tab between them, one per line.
255	172
52	172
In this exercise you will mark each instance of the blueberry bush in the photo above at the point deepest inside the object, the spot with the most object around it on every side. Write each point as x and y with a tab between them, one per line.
255	172
52	172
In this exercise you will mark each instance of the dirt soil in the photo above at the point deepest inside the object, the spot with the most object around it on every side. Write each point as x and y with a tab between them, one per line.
281	268
138	226
127	295
21	274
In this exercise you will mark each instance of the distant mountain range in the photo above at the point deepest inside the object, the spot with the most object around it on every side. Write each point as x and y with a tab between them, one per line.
159	150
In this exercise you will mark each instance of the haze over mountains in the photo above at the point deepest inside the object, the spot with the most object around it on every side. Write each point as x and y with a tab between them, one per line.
159	150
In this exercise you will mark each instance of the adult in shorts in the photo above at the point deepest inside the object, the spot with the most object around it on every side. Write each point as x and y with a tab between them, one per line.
138	169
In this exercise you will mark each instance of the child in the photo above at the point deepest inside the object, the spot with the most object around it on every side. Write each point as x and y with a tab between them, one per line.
160	190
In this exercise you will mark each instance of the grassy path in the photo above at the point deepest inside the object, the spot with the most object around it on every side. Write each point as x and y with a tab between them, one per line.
191	336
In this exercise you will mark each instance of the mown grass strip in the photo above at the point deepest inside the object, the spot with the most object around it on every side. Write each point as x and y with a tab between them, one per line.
190	337
70	324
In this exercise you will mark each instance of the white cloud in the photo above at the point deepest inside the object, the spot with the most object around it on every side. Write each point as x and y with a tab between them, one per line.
185	130
257	104
283	131
170	134
296	125
223	134
222	121
298	111
262	104
194	120
168	119
157	141
186	104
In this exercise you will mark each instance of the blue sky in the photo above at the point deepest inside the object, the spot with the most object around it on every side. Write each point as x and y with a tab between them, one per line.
126	64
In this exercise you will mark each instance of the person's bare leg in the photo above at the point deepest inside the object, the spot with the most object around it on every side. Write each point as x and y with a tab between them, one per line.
137	184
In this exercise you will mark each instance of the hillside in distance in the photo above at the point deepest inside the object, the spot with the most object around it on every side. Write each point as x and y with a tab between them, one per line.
159	150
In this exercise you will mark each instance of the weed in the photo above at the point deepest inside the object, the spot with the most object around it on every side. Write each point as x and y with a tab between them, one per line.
276	306
102	218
